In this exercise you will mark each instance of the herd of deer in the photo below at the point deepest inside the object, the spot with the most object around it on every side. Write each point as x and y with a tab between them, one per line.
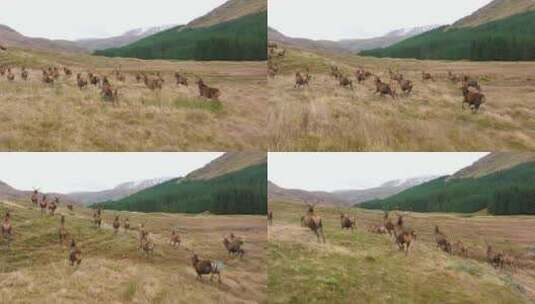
233	244
470	88
108	91
402	236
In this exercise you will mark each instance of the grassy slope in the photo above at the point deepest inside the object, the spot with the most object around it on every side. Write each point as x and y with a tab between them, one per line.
34	269
36	117
365	267
460	195
240	192
326	117
509	39
241	39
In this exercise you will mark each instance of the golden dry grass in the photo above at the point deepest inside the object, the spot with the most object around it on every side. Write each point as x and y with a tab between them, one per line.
326	117
34	269
366	266
60	117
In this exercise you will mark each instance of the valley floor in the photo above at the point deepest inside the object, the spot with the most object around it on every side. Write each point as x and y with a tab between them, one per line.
61	117
362	267
327	117
34	269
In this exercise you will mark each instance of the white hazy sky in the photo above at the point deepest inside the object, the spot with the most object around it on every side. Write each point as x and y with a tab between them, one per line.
342	19
340	171
75	19
69	172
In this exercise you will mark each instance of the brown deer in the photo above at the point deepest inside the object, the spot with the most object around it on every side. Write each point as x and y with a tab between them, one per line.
203	267
62	231
35	197
406	86
97	218
148	245
379	229
180	79
7	227
314	223
453	77
47	78
53	206
405	239
233	245
384	89
151	83
468	82
75	254
126	225
494	258
70	207
395	76
81	81
141	236
345	82
442	241
175	239
24	74
461	249
93	79
138	77
208	92
427	76
347	223
107	91
302	80
43	204
474	99
10	75
389	226
116	225
67	71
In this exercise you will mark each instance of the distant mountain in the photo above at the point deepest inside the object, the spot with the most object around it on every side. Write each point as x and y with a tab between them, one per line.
237	30
383	191
129	37
277	193
235	183
348	45
344	198
118	192
501	183
503	30
11	38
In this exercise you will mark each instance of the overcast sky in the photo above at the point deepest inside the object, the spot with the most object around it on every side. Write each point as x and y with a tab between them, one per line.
341	171
69	172
341	19
75	19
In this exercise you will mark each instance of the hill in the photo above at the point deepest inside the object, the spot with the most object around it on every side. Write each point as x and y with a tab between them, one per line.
34	268
9	193
301	196
116	193
128	37
496	10
220	188
10	38
484	36
362	267
499	188
494	162
236	31
348	45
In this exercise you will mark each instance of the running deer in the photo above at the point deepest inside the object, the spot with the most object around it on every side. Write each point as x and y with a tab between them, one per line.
233	245
35	197
442	241
203	267
43	204
314	223
116	225
97	219
270	217
75	254
6	227
208	92
126	225
347	223
53	206
175	239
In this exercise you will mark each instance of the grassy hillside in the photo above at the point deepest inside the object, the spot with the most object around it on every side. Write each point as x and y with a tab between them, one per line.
506	192
361	267
508	39
244	38
34	268
240	192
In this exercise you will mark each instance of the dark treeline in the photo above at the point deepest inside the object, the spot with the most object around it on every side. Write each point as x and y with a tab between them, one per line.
240	192
509	39
510	191
242	39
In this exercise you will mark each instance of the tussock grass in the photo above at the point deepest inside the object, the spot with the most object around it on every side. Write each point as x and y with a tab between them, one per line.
363	267
60	117
34	269
326	117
